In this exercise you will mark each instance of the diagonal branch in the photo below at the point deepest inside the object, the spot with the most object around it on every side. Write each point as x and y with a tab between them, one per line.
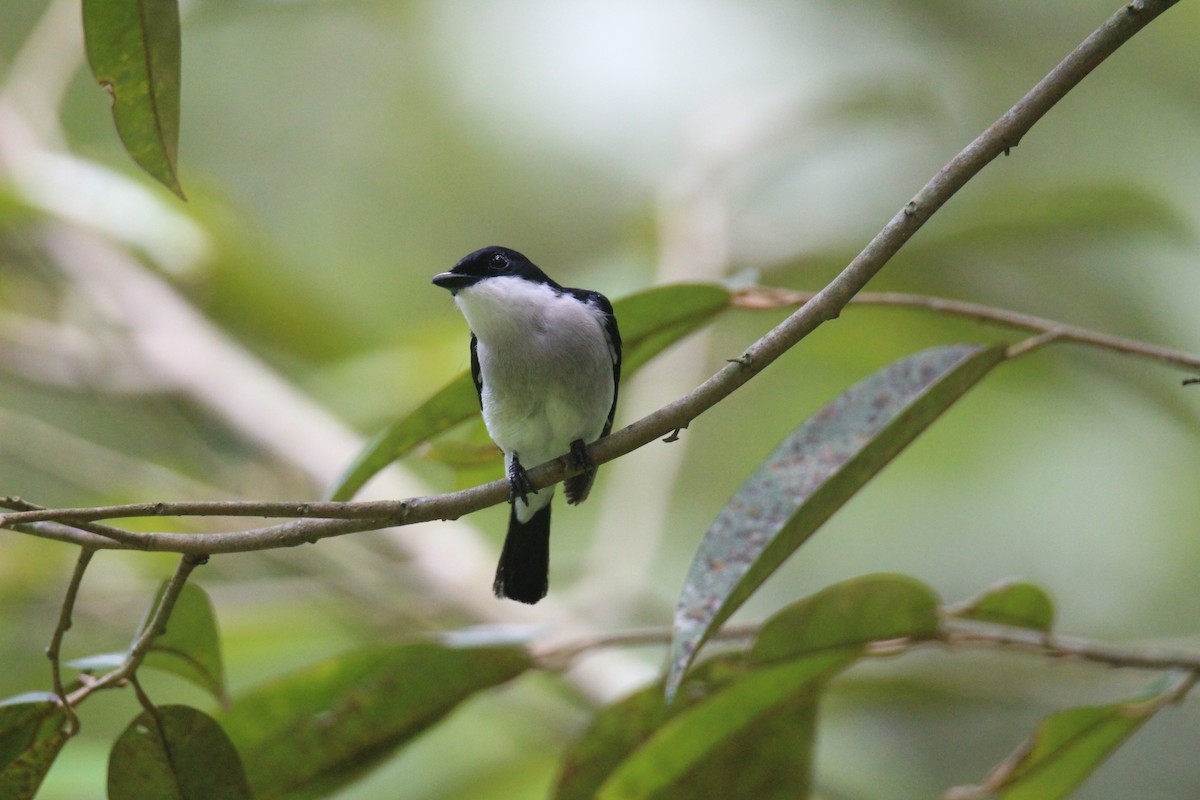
826	305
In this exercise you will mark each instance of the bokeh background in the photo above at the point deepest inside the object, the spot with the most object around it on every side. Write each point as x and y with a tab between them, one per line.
338	153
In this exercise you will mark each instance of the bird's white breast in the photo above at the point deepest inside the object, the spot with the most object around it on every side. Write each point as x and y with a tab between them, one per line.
546	363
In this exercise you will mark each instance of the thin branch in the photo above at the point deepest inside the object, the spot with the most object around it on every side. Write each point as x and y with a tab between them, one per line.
60	630
760	297
952	632
41	513
560	656
968	633
1003	135
155	627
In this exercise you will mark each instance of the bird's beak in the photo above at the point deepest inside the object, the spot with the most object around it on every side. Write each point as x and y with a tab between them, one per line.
452	281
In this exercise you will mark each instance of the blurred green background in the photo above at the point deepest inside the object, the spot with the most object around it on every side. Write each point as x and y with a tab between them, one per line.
338	154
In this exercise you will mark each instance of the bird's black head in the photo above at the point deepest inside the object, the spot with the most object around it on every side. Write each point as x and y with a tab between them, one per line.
491	262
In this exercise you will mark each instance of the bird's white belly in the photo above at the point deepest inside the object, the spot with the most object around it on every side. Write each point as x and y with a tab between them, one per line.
542	396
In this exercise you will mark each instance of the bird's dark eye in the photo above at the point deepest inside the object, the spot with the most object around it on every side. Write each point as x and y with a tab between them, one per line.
498	262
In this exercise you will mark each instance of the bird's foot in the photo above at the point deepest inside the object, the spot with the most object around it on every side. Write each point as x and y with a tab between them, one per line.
519	485
580	459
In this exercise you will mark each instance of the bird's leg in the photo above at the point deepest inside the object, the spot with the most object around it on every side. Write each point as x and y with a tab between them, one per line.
519	484
579	456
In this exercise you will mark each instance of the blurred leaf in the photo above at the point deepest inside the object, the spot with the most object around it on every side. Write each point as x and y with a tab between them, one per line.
1010	603
99	662
175	753
460	455
25	720
1023	212
850	614
654	319
619	729
450	406
819	467
20	778
133	47
311	732
650	321
191	647
768	708
1068	746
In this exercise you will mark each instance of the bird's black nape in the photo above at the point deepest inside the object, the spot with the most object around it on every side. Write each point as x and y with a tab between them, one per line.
523	573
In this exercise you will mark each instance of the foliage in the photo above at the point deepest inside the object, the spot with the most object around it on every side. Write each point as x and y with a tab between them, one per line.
740	706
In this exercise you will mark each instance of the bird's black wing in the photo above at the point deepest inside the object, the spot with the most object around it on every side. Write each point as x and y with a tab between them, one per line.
476	375
614	347
578	487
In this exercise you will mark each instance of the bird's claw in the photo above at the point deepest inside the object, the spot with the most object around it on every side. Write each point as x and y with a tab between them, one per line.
580	459
519	485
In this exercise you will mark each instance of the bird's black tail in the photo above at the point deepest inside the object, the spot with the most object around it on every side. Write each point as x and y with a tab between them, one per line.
524	570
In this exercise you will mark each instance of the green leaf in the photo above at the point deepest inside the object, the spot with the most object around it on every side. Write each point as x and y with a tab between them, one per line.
619	729
175	753
191	647
133	47
849	615
24	721
1069	746
1010	603
816	470
450	406
707	744
650	321
654	319
20	778
314	731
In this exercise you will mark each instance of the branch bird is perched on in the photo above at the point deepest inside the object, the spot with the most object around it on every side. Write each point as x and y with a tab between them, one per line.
546	361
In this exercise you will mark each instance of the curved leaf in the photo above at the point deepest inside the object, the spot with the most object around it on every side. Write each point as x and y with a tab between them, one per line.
850	614
24	721
1069	746
20	778
768	707
306	734
621	728
650	321
819	467
133	47
175	753
191	647
1010	603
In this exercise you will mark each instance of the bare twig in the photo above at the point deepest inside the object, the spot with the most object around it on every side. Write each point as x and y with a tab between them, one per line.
953	632
760	297
968	633
54	649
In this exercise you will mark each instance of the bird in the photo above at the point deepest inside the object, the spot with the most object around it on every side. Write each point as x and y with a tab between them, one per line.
546	362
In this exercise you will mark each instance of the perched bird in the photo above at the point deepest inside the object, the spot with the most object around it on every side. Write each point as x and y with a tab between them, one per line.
546	361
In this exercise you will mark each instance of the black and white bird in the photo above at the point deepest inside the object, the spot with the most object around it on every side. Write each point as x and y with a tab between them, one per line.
546	360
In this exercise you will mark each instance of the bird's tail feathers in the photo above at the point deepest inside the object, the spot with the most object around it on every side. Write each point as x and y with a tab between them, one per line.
524	570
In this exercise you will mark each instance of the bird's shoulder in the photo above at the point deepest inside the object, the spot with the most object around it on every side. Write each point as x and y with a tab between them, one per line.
607	317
